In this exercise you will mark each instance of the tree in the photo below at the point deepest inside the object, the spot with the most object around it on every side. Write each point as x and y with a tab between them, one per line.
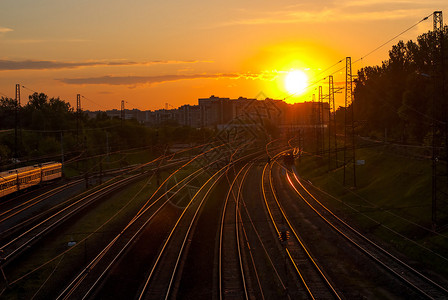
7	113
398	94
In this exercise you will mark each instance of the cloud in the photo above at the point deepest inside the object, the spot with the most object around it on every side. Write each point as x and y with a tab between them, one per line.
4	30
387	3
371	10
137	80
9	65
41	41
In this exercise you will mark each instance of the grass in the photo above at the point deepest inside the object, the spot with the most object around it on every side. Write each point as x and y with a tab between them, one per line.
392	201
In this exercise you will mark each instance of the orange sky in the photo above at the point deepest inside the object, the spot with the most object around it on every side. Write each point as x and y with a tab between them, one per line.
149	53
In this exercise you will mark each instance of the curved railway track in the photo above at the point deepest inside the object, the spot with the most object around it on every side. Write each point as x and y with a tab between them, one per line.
89	279
171	231
37	227
311	276
413	278
95	279
160	281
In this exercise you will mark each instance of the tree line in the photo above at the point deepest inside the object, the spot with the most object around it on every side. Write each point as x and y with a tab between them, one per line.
48	126
405	98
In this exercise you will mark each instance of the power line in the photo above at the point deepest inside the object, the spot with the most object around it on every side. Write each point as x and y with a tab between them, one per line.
361	58
390	40
29	89
93	102
315	82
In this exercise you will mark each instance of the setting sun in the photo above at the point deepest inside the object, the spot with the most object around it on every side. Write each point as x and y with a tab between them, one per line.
296	82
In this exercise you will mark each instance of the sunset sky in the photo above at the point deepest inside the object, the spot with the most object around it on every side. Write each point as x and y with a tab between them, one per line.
149	53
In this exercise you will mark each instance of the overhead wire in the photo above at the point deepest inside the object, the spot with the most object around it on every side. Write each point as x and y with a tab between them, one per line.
361	58
29	89
93	102
390	40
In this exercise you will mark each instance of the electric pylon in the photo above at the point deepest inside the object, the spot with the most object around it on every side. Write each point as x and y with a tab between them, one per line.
331	122
17	121
321	121
122	112
438	105
315	122
349	125
78	115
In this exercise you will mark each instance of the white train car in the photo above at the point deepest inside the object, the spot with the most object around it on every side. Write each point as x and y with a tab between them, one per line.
21	178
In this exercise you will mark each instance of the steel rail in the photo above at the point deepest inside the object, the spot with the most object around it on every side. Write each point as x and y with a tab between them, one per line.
310	258
168	239
132	239
243	277
83	274
35	200
221	173
71	287
370	242
263	246
221	234
81	202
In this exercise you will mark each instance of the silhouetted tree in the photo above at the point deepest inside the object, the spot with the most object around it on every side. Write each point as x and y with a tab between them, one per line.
398	95
7	113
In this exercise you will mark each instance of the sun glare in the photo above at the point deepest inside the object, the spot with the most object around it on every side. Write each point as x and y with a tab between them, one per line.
296	82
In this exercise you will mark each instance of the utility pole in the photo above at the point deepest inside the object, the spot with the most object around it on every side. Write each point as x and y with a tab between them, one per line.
122	112
78	115
62	154
17	121
321	120
438	104
349	105
107	146
314	122
330	105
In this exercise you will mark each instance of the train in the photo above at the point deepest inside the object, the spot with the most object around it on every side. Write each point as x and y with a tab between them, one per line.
22	178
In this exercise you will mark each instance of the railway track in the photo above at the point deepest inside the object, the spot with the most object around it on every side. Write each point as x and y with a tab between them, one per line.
21	235
92	278
86	283
12	248
193	272
18	215
269	279
30	232
9	212
15	217
420	283
244	245
231	275
97	278
313	280
160	282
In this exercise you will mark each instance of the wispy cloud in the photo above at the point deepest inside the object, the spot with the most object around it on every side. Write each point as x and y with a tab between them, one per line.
365	3
5	29
43	41
9	65
138	80
371	10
